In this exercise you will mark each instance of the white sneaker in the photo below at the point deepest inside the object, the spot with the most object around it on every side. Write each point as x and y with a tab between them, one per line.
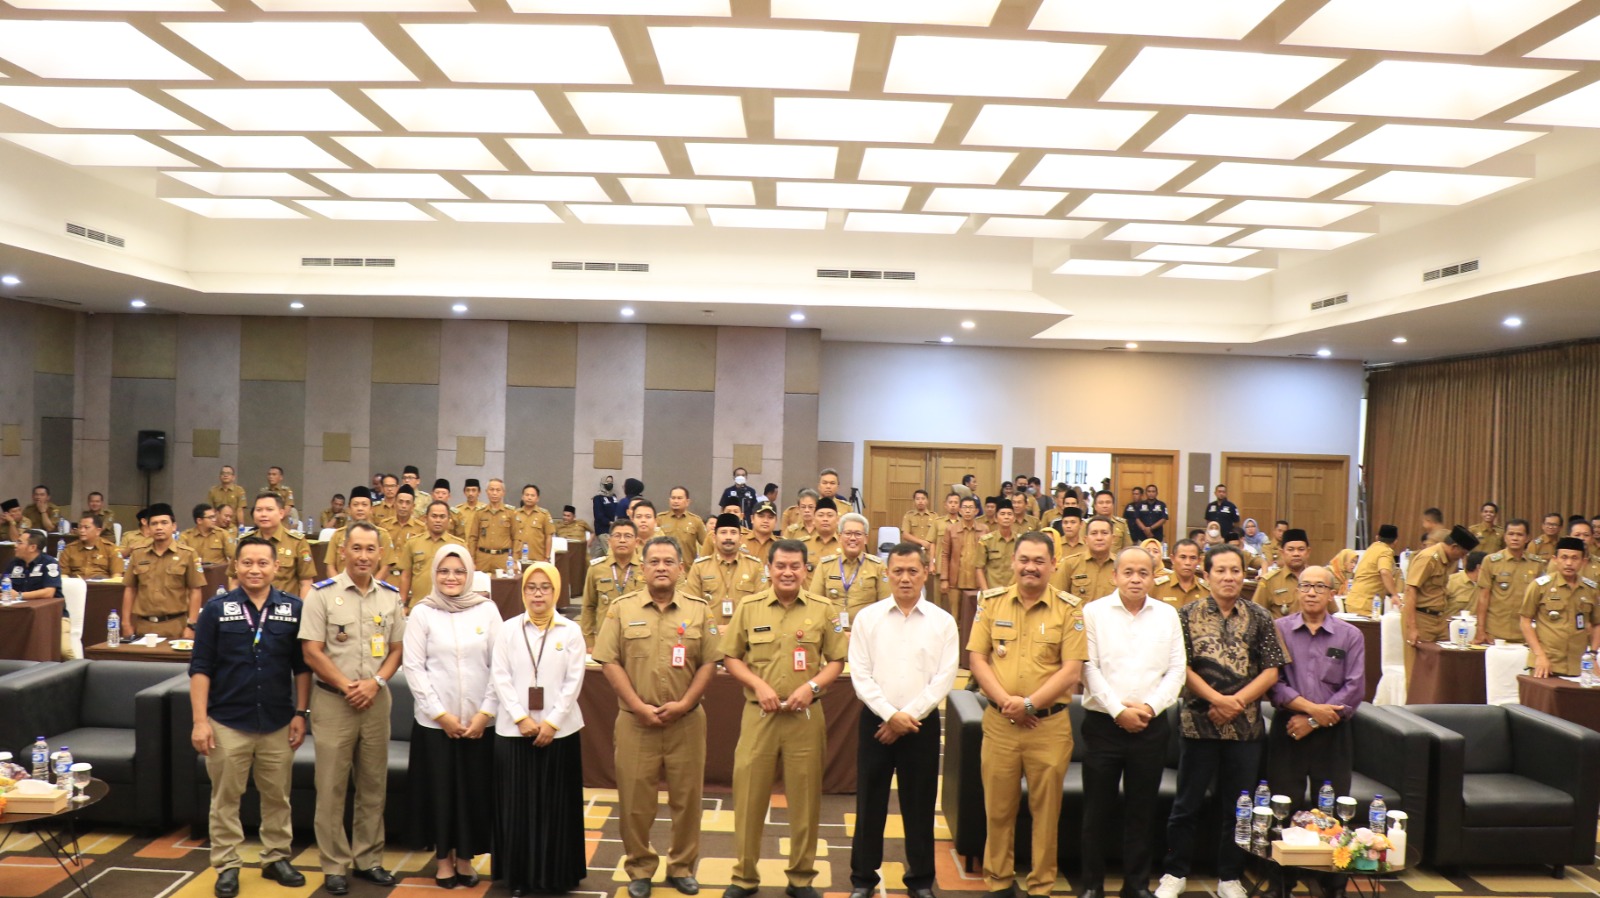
1171	886
1231	888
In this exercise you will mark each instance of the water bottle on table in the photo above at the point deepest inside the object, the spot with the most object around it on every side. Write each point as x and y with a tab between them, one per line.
6	595
113	629
1242	810
1325	798
1378	815
63	765
1586	677
40	756
1263	795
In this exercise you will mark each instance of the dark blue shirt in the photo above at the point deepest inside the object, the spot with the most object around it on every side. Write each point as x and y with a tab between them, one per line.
252	683
1149	513
1225	513
43	572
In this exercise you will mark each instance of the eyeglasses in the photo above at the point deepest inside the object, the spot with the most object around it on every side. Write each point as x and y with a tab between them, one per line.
539	589
1315	587
451	572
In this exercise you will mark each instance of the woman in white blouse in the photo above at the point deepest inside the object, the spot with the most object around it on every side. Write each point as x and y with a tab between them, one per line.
538	766
448	645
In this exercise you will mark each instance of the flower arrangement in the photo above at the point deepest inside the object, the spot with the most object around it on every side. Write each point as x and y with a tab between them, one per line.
1361	849
1325	826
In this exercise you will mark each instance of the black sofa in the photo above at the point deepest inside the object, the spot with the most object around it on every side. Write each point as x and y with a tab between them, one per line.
1510	785
112	714
10	666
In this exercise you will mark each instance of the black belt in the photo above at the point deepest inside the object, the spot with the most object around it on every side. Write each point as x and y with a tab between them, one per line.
326	688
1053	709
157	618
1430	612
495	551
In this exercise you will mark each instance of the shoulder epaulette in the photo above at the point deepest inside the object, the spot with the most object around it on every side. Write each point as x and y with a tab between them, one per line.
1162	580
1498	556
872	558
389	586
297	534
597	561
828	558
246	531
692	597
1589	583
1069	598
323	584
991	593
700	558
1545	579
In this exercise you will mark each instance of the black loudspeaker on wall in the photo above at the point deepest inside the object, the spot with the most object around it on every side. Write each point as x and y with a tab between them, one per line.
152	450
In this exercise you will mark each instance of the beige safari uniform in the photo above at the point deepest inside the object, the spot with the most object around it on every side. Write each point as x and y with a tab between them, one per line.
576	532
283	492
496	530
1461	592
332	520
1167	589
131	540
333	554
1026	646
1086	578
1065	550
769	638
1562	616
1120	537
603	584
418	557
754	545
1429	572
687	528
1491	539
851	587
161	582
641	637
399	535
383	513
213	548
91	561
994	553
350	741
1367	581
107	518
817	548
1543	546
33	519
1278	591
724	584
232	494
534	529
294	560
1507	579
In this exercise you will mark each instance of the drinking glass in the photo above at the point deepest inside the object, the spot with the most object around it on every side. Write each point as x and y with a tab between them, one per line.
82	773
1281	807
1345	807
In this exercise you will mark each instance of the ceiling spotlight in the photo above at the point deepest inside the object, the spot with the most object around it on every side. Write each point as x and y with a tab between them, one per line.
1324	353
297	304
459	307
138	303
947	339
1399	339
10	280
968	325
797	316
1130	346
627	311
1513	321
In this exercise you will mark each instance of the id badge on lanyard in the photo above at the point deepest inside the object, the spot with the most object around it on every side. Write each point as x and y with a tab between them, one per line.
680	654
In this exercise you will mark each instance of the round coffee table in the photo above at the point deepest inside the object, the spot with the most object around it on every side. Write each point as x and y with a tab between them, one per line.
57	830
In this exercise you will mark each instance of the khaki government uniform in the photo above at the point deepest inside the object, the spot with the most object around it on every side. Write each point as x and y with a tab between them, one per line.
294	560
766	636
1461	593
850	587
1491	538
995	551
350	742
576	532
724	584
108	518
495	536
34	520
161	581
1429	571
332	520
1278	592
90	561
283	492
926	526
213	548
399	535
417	557
1507	579
1120	537
131	540
231	495
1543	547
1087	578
333	554
639	636
1167	589
753	544
1026	646
1562	616
534	529
383	512
960	555
603	584
817	548
1367	581
1590	568
688	529
1065	550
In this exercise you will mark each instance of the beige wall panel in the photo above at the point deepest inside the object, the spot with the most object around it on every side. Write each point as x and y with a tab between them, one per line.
472	384
680	357
206	443
335	447
405	351
338	400
272	348
145	346
55	341
609	400
541	354
802	361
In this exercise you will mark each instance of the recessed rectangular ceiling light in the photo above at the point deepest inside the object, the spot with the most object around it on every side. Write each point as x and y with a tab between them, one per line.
1177	76
992	200
910	12
987	67
751	160
276	109
1103	172
465	109
500	213
660	115
1464	27
934	166
631	215
425	153
1140	232
1582	42
1214	272
1453	90
789	219
239	151
1106	267
1436	146
120	5
904	222
1264	179
111	51
1174	252
212	207
832	195
1283	238
295	51
775	58
523	54
1043	228
1247	136
1052	127
222	183
553	188
623	7
365	5
689	190
881	121
101	108
577	154
1166	18
1142	206
366	210
1277	212
1429	188
1578	109
98	149
392	186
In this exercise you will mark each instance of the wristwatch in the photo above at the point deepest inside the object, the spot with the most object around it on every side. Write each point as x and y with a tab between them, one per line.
382	683
815	689
1027	708
303	712
1312	721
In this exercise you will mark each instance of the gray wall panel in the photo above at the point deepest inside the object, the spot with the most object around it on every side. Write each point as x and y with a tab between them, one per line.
139	403
405	427
272	416
52	403
52	395
799	444
539	446
677	442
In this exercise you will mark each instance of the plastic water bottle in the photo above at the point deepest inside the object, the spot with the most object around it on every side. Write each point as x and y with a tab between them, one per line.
1263	795
511	568
1378	815
6	595
524	556
40	754
1242	810
1586	677
113	629
63	765
1325	798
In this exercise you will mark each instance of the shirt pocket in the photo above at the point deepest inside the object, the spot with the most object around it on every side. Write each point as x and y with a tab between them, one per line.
342	619
763	647
636	643
1047	648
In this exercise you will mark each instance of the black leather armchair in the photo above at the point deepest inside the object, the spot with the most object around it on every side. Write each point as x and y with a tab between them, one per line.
112	714
11	666
1510	786
1391	759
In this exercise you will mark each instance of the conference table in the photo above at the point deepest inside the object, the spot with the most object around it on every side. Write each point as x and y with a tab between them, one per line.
161	652
1562	698
31	630
1442	674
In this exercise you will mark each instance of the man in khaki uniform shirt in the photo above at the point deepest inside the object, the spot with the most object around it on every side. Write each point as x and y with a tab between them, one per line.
1027	651
683	525
1069	540
798	519
785	647
162	582
495	529
825	541
610	577
573	529
1021	520
1557	614
1426	579
277	487
1543	546
827	488
1091	575
1183	583
1376	574
89	556
227	492
1278	590
1461	590
205	539
1502	583
960	554
996	549
1491	538
383	505
360	510
854	578
295	567
406	526
659	649
138	537
334	516
351	628
416	557
758	540
41	514
725	579
95	504
1105	503
920	527
535	528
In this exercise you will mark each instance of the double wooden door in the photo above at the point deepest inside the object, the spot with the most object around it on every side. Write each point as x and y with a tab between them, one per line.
896	471
1311	493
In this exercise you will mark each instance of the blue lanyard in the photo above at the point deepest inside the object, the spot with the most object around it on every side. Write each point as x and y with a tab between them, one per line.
851	580
245	607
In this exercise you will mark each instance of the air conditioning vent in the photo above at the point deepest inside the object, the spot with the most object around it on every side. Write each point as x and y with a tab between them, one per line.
840	273
899	275
630	267
1450	271
1330	302
636	267
857	274
567	266
101	237
866	274
1114	349
344	262
50	301
599	266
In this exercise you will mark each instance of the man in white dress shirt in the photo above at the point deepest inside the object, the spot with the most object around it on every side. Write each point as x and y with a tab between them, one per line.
904	652
1135	671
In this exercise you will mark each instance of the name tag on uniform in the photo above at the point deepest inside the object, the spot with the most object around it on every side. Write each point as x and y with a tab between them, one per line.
727	608
680	656
1003	623
762	630
380	645
800	658
844	618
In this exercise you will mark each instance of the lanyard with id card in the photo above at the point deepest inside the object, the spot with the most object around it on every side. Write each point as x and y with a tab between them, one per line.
535	692
680	654
800	663
380	643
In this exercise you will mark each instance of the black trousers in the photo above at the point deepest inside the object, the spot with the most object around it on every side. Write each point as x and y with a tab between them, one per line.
914	760
1233	766
1136	761
1298	768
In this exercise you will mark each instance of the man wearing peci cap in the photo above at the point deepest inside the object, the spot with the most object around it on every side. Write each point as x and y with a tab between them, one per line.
360	510
11	517
727	577
403	528
1376	574
1426	582
1557	615
825	541
572	528
161	584
1278	589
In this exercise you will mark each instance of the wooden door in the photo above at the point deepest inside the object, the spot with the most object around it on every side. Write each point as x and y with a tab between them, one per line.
950	465
1312	494
1129	471
1253	486
896	475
